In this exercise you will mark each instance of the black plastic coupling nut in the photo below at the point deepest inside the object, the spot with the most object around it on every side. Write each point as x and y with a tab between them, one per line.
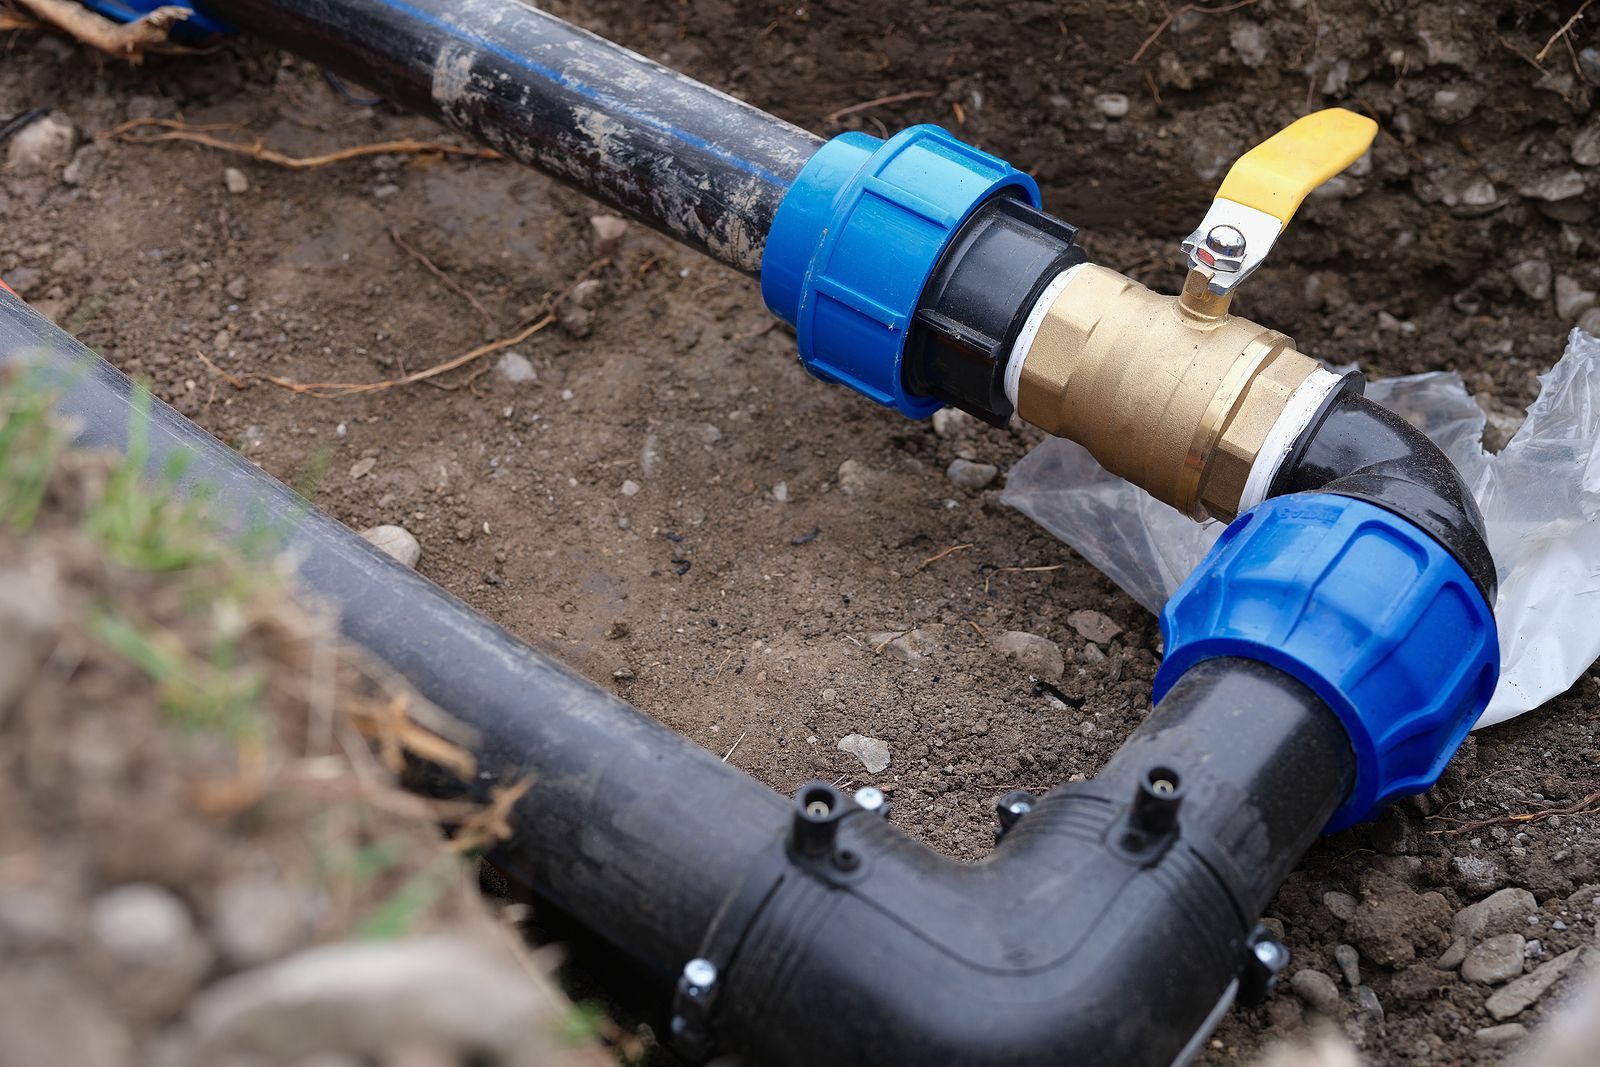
977	300
1156	804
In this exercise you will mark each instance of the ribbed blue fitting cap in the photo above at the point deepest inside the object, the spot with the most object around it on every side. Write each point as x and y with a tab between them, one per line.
855	239
1363	608
195	26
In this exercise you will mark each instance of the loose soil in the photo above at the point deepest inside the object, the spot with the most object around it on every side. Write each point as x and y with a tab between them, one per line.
661	504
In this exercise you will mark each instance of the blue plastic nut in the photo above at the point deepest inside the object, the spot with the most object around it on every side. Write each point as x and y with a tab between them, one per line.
1363	608
197	25
857	236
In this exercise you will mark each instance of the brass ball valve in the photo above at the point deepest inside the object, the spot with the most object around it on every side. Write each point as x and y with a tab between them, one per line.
1194	405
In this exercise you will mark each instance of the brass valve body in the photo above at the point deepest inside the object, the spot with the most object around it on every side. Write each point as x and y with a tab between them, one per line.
1172	394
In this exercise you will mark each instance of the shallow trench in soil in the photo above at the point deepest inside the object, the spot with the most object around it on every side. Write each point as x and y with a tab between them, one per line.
656	493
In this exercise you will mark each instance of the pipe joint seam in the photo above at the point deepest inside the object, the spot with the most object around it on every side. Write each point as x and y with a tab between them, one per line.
1363	607
855	241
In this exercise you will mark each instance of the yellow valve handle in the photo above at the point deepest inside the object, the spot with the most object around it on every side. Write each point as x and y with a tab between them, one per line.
1276	174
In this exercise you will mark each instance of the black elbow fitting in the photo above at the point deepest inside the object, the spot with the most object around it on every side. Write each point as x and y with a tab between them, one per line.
1357	448
1059	947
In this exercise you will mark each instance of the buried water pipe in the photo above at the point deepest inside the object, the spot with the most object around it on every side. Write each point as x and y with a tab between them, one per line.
1327	657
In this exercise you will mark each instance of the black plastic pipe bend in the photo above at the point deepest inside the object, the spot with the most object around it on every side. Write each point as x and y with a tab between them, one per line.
1358	448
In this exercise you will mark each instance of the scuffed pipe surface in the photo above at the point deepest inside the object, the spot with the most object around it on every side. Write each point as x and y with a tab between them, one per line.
683	157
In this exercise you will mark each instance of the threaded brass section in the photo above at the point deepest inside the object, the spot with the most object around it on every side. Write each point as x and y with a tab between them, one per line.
1177	401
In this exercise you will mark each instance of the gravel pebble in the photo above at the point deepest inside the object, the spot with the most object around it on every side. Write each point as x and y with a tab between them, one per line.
235	180
1519	995
1093	626
1533	277
1503	1034
1039	656
1499	959
42	144
969	475
515	368
1349	963
395	541
873	753
1572	299
1317	990
1508	908
1341	905
140	923
1112	105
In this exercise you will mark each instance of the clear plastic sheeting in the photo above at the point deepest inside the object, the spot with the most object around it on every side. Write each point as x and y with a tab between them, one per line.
1540	497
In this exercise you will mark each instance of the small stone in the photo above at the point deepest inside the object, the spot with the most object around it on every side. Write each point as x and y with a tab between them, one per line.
608	231
1519	995
949	422
1039	656
910	646
235	180
1533	277
854	477
1499	959
1341	905
1572	299
969	475
873	753
780	492
1479	192
1503	1034
362	467
576	321
1349	963
1586	146
33	919
516	368
42	144
1475	874
1317	990
1451	958
1552	188
396	542
385	191
587	293
1093	626
458	999
238	287
1506	909
1249	43
1112	105
256	920
82	168
1368	1006
630	487
141	924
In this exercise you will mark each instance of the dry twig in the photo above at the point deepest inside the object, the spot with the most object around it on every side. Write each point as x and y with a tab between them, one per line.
1174	14
935	558
491	823
892	98
1586	806
130	41
1566	28
178	130
444	279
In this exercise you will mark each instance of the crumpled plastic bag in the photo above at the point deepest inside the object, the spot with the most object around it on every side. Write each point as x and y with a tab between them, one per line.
1540	497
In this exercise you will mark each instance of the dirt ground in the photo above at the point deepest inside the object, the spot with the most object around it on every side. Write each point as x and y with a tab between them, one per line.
668	503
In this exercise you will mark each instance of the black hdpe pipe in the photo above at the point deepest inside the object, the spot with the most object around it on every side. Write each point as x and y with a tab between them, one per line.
1097	932
1116	918
680	156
